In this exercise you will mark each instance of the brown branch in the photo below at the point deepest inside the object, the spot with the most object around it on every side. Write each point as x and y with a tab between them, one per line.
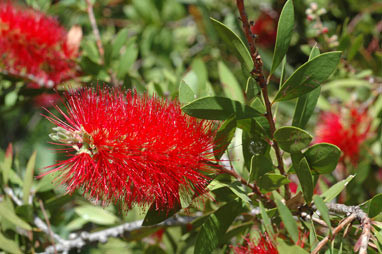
324	241
95	30
48	225
98	40
257	74
354	212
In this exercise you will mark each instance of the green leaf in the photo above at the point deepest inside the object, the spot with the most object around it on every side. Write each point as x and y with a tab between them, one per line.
230	85
285	248
185	93
324	211
306	103
284	34
119	41
235	187
286	217
224	136
271	181
155	215
96	215
323	157
216	225
305	107
234	43
309	76
218	108
10	216
266	220
7	164
260	165
28	178
292	139
375	206
127	60
9	245
305	178
251	88
336	189
314	52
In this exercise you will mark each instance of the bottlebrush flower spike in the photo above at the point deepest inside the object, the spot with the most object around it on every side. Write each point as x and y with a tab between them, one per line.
263	246
34	46
347	129
131	149
265	28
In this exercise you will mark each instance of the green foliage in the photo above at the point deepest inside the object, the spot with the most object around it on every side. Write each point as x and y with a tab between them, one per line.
176	50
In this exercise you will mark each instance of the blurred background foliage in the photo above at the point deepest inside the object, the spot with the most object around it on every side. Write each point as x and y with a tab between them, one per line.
151	46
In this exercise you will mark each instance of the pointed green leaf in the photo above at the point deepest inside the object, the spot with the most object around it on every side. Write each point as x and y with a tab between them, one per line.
10	216
9	245
305	178
375	206
235	187
155	215
214	228
324	211
28	178
218	108
224	136
251	88
305	107
286	217
234	43
336	189
260	165
96	215
271	181
284	34
285	248
230	84
119	41
185	93
314	52
292	139
266	220
323	157
309	76
306	103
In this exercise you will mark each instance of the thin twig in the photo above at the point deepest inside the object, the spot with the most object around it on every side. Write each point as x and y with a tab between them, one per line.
257	74
98	41
48	224
358	213
95	30
324	241
78	241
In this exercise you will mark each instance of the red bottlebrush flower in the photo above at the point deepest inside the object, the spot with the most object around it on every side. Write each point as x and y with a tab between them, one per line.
347	130
265	28
263	246
131	149
34	46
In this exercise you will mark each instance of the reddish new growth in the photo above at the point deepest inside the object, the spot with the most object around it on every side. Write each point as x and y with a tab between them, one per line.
263	246
347	129
132	149
34	46
265	28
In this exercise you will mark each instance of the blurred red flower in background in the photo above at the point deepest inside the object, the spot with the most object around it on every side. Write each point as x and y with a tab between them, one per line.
131	149
265	28
34	46
347	129
263	246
